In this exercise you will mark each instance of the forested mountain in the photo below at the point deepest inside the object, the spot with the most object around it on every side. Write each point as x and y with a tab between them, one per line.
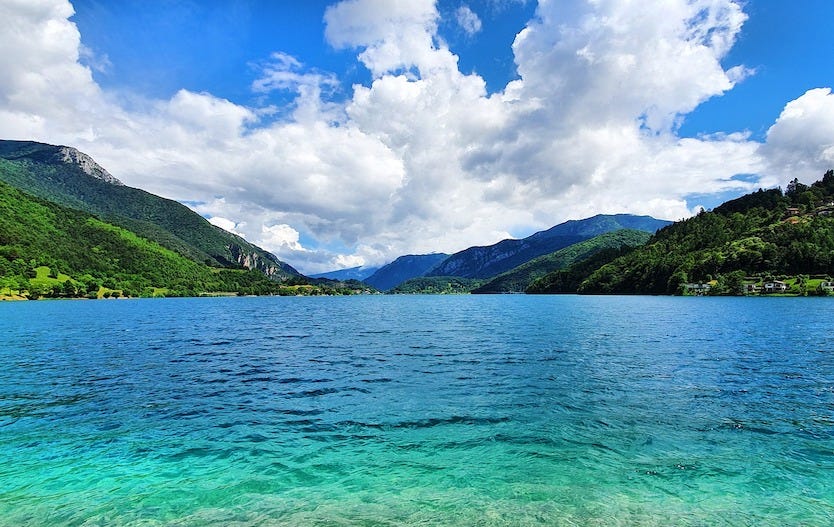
518	279
436	285
765	234
489	261
402	269
50	250
65	176
569	279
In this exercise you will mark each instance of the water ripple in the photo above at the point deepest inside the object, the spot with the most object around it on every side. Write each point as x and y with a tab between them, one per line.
417	411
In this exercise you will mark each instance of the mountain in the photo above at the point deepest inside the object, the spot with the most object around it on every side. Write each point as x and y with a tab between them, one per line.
50	250
518	279
404	268
740	245
492	260
353	273
65	176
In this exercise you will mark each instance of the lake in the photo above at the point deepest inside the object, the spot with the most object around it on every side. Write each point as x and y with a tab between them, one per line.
417	410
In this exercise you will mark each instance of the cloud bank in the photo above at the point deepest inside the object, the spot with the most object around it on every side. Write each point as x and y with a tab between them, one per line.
423	158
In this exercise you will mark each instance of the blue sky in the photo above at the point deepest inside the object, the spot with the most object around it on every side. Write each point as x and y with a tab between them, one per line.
158	47
790	46
349	132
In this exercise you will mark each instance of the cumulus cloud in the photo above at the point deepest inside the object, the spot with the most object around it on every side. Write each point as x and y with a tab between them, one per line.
393	35
225	224
801	142
275	237
603	61
44	86
423	158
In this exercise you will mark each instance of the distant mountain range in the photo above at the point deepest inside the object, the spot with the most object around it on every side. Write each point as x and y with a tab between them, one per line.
354	273
491	260
480	264
69	228
404	268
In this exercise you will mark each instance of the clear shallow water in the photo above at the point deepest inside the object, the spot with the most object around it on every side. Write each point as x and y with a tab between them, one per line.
470	410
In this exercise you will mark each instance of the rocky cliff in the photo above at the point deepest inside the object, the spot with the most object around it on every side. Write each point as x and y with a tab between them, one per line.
86	164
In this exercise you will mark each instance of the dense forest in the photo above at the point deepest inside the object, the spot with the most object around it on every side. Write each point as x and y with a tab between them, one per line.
569	279
436	285
517	280
764	236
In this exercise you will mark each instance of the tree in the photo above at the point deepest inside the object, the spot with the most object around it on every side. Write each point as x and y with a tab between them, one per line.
734	283
802	284
22	284
68	288
35	292
795	188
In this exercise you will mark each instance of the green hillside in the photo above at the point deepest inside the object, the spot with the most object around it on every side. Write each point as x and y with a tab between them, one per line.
70	178
569	279
517	280
436	285
54	251
754	239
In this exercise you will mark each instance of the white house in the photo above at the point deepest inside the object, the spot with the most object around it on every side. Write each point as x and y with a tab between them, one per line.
775	287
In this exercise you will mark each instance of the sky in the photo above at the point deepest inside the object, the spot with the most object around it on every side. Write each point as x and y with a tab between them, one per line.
345	133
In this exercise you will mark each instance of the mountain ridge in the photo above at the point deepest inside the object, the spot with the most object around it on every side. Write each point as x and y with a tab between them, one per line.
491	260
73	179
519	278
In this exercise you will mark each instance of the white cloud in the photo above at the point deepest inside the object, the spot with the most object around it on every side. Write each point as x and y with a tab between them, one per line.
468	20
225	224
43	86
394	35
348	261
801	142
424	159
285	73
274	237
602	61
88	57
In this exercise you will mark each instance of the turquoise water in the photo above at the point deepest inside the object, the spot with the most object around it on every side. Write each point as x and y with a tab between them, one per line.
470	410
